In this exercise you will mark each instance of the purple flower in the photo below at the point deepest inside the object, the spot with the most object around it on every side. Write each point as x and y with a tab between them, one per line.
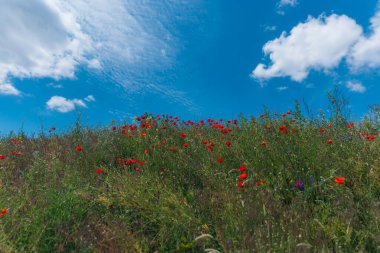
299	184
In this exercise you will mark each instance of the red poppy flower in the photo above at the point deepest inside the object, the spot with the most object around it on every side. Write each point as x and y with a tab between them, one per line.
243	168
228	143
4	211
243	176
329	125
322	130
185	145
99	171
329	141
371	137
172	148
113	128
16	153
220	160
183	135
240	185
143	134
79	148
340	180
2	157
257	183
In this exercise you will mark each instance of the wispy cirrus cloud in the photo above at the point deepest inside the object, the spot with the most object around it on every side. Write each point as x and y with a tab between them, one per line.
38	39
124	40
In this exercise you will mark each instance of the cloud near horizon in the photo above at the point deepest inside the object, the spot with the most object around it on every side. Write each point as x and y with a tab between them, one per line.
64	105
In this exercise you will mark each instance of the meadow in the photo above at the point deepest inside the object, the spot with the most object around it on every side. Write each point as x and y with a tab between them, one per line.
274	182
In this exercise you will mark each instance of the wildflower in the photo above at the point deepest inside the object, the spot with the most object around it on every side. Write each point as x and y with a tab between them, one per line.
113	128
350	125
264	143
329	125
220	160
99	171
79	148
322	130
228	143
172	148
185	145
240	185
183	135
243	168
4	211
16	153
143	134
299	185
311	180
141	164
370	137
340	180
329	141
2	157
258	184
146	151
243	176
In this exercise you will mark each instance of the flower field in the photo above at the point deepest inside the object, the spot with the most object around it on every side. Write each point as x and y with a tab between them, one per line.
275	182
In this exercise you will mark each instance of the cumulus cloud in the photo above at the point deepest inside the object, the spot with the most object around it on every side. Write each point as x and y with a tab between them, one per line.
9	89
355	87
64	105
319	43
366	52
40	39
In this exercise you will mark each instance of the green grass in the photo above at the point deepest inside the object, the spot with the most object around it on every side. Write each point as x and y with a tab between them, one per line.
184	200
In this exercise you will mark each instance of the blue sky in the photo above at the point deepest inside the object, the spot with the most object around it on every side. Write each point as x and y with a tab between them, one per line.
195	59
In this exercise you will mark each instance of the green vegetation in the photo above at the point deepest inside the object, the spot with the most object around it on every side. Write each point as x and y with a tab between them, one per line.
159	185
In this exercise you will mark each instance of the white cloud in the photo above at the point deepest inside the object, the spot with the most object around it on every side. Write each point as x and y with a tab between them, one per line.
54	85
39	39
366	52
319	43
281	88
126	40
270	28
64	105
287	2
355	87
89	98
9	89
